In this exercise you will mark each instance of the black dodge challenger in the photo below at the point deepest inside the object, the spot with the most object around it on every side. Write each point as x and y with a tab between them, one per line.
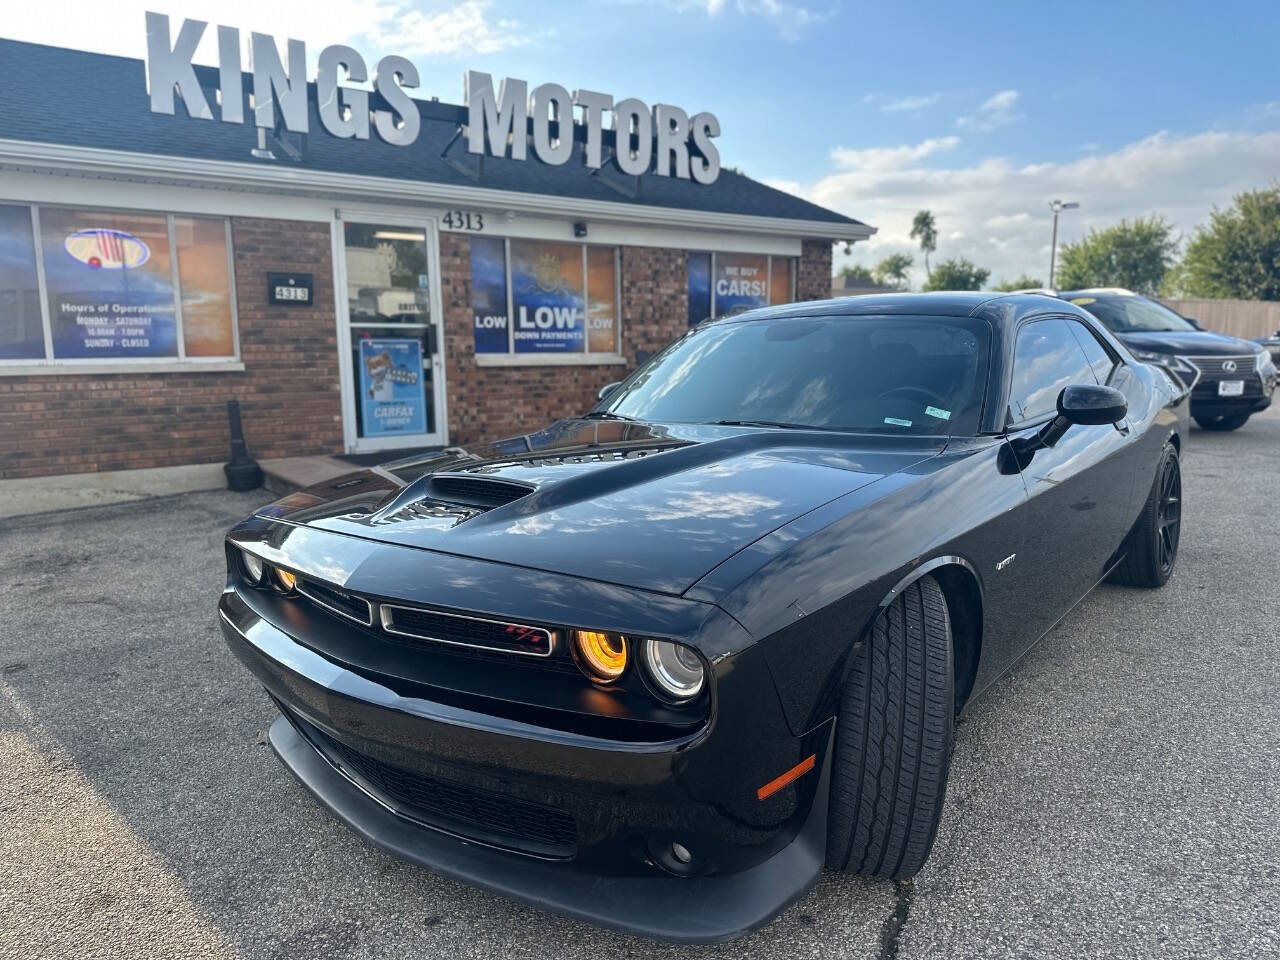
658	665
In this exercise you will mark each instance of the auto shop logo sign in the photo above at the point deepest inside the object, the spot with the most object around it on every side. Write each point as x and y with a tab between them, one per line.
665	139
110	249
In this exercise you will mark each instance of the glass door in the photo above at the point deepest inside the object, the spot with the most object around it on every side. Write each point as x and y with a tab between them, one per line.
393	372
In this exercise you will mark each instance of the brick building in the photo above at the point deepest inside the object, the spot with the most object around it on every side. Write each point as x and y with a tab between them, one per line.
354	296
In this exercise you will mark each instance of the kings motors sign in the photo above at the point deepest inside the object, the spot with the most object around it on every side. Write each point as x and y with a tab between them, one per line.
665	139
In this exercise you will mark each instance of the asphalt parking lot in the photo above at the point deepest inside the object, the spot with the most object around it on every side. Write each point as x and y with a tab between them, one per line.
1118	795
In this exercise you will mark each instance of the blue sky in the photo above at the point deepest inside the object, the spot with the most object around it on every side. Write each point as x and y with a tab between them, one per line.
981	111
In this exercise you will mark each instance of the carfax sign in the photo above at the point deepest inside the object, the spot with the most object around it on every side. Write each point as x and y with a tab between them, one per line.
392	398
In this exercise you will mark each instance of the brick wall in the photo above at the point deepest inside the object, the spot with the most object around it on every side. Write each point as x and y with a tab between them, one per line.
813	279
288	391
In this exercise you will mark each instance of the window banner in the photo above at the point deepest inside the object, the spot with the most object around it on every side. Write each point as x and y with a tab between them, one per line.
110	283
741	282
392	398
548	296
489	294
699	287
602	326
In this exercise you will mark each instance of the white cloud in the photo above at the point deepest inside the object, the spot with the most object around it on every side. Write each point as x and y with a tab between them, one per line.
996	213
790	18
911	103
890	158
374	26
998	110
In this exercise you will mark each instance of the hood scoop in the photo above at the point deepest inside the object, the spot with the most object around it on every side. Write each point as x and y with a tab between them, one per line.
447	499
476	491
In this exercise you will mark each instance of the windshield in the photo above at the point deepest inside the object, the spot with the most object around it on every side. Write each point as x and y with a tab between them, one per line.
1132	314
923	375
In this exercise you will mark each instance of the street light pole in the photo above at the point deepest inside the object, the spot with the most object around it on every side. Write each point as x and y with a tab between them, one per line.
1057	206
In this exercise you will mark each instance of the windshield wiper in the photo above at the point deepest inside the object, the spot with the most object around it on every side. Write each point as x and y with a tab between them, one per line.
606	415
766	423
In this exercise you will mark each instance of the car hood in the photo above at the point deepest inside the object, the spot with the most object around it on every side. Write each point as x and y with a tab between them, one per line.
1193	343
643	505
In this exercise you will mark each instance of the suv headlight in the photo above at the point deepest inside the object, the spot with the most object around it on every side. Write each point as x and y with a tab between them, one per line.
1266	366
1183	368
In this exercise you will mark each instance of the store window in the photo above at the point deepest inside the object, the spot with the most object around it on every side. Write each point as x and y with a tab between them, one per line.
722	284
544	297
21	320
114	286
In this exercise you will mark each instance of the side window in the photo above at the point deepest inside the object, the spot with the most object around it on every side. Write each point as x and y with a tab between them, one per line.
1046	358
1099	359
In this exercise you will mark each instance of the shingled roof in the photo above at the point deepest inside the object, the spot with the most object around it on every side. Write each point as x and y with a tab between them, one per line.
96	101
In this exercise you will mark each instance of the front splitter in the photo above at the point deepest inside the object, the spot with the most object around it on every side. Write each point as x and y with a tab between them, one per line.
683	910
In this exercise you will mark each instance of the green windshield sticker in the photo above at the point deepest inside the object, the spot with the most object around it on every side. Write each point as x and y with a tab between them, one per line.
896	422
936	412
1084	301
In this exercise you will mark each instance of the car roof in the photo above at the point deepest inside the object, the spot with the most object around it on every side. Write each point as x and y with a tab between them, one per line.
998	308
1099	292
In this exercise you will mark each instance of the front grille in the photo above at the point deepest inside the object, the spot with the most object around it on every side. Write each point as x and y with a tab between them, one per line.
1212	368
337	601
466	631
477	813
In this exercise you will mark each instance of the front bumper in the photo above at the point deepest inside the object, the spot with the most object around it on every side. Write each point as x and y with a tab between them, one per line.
690	910
1256	396
628	802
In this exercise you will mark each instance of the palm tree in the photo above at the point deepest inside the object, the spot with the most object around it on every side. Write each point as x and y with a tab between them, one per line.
893	269
925	230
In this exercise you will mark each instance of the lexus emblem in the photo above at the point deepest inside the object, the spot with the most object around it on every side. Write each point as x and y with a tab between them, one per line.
1228	366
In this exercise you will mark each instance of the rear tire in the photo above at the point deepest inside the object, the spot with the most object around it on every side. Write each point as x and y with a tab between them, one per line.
1151	548
893	739
1227	421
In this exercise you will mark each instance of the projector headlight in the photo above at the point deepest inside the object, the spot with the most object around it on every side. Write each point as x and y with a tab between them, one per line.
675	669
601	655
252	566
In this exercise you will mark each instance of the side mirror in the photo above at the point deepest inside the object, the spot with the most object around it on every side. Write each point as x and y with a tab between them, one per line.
608	389
1083	404
1193	321
1092	405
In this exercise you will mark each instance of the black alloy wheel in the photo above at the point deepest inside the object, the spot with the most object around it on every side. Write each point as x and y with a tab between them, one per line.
1151	548
1169	514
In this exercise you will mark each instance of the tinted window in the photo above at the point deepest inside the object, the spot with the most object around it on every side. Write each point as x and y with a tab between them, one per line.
890	374
1123	314
1099	359
1046	359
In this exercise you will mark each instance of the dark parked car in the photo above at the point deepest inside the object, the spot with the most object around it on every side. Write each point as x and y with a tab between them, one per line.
1231	379
1272	345
656	666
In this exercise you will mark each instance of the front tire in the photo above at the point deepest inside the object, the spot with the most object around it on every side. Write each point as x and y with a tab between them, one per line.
1151	548
1226	421
893	739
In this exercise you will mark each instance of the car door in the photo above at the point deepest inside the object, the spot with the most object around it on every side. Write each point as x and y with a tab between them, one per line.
1125	466
1077	491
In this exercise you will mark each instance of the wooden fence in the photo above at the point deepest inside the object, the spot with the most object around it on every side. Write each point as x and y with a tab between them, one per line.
1240	318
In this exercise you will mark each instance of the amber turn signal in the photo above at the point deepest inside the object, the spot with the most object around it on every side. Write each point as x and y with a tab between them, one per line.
287	579
602	656
795	773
